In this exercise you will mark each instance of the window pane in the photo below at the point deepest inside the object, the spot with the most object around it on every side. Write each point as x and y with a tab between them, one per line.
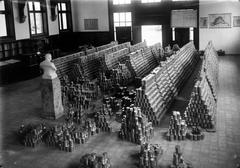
115	2
30	5
63	6
120	2
122	16
3	30
128	23
32	23
150	1
64	20
116	17
39	23
127	1
128	16
173	34
37	6
60	21
191	33
2	5
59	6
122	24
116	24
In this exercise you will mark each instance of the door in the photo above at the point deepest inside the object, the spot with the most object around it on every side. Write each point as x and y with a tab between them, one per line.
181	36
123	34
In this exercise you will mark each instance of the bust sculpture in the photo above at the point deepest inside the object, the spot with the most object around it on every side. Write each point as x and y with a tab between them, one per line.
49	69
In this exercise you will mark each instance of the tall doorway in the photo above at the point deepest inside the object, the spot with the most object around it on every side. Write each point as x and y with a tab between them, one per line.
152	34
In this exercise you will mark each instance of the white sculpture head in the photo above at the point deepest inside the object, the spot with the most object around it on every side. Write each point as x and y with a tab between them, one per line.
48	57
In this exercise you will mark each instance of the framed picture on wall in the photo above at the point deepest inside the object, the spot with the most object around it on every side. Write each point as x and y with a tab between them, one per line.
203	22
91	24
236	21
220	20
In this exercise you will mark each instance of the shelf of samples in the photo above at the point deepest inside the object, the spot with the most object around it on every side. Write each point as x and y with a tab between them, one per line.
120	75
89	63
64	64
211	68
90	51
138	46
103	47
141	62
202	107
115	48
110	61
157	51
159	88
92	63
117	65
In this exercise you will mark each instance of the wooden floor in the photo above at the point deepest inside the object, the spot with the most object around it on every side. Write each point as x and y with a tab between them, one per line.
20	103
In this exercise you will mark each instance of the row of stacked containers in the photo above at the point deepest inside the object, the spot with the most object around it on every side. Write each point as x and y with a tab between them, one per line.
161	81
162	85
202	107
108	57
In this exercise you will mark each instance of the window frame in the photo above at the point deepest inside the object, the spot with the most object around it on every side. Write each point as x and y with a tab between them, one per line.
191	33
151	1
43	11
68	13
173	34
8	12
123	22
125	2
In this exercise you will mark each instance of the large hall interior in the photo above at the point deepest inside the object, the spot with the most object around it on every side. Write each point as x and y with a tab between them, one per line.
119	83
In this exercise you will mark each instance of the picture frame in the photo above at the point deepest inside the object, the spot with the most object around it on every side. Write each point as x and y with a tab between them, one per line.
222	20
91	24
236	21
203	22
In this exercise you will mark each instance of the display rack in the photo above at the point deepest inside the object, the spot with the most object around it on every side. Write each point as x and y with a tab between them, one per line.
202	107
64	64
138	46
161	86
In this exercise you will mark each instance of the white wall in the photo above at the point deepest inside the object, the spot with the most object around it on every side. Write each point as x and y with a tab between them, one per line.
90	9
227	39
52	25
21	29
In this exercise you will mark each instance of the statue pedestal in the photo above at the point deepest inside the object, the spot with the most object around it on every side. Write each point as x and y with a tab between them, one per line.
51	98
